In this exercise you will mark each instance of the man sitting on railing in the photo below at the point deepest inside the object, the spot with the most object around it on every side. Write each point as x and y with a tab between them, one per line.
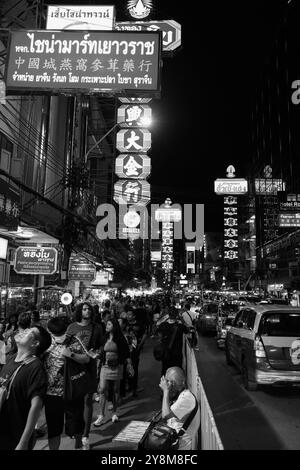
178	403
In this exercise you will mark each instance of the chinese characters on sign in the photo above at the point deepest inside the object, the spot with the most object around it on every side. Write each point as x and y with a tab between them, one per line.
230	228
133	163
34	260
167	249
133	140
132	192
133	166
135	114
107	61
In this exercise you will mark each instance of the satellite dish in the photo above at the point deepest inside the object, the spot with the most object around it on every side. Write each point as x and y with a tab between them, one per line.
66	298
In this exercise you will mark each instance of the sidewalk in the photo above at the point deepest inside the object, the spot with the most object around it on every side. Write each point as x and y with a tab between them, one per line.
141	408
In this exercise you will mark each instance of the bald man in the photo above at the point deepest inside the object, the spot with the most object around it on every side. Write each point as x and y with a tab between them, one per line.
178	402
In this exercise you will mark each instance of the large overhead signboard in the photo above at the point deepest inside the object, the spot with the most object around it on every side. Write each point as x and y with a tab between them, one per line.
98	61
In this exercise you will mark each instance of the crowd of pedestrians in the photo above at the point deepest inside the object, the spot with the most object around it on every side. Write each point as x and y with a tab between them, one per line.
104	342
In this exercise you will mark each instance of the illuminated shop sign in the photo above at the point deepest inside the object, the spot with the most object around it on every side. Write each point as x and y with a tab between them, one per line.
137	166
107	61
268	186
62	17
171	31
190	258
230	228
133	140
132	192
132	115
289	219
231	186
167	248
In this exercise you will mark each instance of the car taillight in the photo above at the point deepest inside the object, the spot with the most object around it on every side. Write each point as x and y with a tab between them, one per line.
259	348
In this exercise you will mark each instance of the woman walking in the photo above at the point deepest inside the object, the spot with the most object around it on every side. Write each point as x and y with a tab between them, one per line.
115	354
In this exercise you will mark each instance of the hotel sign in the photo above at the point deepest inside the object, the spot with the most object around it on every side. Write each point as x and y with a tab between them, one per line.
231	186
62	17
96	61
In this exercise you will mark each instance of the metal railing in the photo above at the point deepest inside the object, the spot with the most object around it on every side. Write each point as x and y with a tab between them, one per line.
208	434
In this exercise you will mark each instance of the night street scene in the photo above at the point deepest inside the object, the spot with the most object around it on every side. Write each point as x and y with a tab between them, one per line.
149	228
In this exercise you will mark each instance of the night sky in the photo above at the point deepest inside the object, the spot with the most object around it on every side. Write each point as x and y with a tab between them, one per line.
201	122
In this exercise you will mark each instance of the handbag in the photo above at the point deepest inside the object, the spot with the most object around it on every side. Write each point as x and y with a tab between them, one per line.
79	379
160	436
5	388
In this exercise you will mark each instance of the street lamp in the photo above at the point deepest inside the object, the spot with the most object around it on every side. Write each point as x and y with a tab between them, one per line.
141	122
100	140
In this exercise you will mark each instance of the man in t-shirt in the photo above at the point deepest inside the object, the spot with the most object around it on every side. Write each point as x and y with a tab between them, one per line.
92	337
21	410
178	402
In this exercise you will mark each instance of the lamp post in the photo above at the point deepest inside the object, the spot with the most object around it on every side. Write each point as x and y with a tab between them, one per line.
101	139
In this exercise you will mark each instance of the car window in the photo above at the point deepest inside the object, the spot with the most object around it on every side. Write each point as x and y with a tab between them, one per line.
280	324
238	318
250	319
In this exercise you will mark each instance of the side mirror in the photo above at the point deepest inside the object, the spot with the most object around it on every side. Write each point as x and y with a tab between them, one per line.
240	324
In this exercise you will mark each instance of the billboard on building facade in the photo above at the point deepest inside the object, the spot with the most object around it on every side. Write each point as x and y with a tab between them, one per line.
96	61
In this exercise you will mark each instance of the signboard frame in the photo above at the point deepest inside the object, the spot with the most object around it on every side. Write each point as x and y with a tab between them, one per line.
146	164
80	42
167	49
239	185
80	277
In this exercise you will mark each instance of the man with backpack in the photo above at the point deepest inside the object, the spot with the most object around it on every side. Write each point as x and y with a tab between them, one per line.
188	320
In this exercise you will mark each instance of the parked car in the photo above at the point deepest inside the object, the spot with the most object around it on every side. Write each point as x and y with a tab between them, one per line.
264	344
207	320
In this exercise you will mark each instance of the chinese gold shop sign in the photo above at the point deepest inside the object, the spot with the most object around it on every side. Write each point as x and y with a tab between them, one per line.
34	260
107	61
